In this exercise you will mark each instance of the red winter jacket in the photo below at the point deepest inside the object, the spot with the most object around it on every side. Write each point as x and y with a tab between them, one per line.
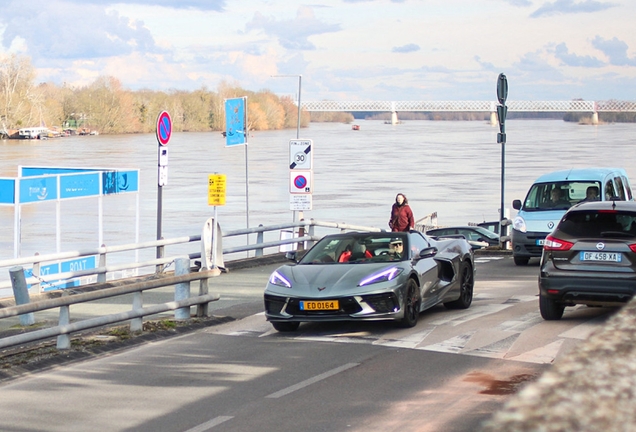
401	218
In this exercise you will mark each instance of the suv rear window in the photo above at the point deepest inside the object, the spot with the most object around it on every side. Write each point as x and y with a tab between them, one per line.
598	224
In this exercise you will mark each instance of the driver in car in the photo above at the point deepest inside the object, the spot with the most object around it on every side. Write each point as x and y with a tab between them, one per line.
396	248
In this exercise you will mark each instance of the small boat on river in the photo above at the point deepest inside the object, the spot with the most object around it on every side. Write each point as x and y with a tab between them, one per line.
355	127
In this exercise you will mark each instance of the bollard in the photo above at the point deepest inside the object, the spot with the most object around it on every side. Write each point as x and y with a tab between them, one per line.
182	290
137	324
64	340
21	293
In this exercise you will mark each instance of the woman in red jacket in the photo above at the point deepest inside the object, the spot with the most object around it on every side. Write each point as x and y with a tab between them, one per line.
401	215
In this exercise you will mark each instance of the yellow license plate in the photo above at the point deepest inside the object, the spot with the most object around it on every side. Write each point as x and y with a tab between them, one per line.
319	305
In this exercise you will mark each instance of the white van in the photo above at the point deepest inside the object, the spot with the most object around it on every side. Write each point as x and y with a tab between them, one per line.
551	195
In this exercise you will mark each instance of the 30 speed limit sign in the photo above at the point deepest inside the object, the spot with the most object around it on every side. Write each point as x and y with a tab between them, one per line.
300	155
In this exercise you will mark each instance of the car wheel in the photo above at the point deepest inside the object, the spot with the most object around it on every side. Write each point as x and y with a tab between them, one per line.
285	326
411	305
550	309
521	261
467	284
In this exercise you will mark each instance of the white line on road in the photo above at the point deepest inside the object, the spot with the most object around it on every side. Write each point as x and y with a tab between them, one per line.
313	380
210	424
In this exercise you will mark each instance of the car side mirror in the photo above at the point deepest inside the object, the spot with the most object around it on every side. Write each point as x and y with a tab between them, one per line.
428	252
516	204
291	256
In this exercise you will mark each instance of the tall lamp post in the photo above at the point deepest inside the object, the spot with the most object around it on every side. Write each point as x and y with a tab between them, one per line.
300	79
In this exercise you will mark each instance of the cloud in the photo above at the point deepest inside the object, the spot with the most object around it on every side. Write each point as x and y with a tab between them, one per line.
615	50
562	53
206	5
48	31
560	7
406	48
293	34
519	2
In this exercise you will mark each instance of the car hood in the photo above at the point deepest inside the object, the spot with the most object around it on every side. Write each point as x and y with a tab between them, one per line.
543	221
324	280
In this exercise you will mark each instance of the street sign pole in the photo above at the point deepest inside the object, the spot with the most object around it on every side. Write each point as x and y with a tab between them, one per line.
502	110
163	132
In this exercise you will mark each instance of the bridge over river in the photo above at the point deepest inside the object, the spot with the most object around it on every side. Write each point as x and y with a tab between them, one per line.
593	107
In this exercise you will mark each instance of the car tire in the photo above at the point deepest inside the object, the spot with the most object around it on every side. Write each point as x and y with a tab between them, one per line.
411	305
466	288
285	326
521	261
550	309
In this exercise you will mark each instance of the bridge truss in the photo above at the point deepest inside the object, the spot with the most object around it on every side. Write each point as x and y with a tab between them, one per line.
474	106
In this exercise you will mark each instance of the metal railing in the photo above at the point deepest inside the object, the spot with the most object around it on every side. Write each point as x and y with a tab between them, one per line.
306	236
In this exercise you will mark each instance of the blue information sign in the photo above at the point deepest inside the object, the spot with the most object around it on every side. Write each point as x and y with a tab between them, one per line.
235	122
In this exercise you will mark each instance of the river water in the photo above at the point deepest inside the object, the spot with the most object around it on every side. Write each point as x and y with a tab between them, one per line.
449	167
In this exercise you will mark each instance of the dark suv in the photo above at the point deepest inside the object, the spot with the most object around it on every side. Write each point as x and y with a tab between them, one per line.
589	258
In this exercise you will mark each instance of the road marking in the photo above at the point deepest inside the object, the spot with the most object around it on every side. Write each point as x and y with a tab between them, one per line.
210	424
311	381
452	345
410	341
495	350
478	311
543	355
583	331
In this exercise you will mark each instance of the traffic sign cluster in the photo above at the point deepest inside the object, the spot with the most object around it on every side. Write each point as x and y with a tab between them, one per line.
300	174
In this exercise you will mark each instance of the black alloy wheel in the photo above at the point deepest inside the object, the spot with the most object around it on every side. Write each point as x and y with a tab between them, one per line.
285	326
550	309
466	287
411	305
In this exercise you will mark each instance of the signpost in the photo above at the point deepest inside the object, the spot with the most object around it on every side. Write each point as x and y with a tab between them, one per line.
300	175
164	132
236	134
502	111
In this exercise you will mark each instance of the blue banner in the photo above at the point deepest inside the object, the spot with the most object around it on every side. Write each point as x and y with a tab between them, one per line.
79	185
120	182
38	189
235	122
7	191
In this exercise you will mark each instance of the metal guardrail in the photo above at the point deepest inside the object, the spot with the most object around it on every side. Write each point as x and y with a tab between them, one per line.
65	327
307	231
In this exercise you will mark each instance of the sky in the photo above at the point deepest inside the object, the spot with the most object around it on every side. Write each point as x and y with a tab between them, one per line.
345	50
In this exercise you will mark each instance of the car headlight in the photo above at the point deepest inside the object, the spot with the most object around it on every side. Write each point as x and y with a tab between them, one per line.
383	276
519	224
280	280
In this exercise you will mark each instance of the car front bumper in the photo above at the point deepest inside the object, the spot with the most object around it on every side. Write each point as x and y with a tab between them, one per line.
527	244
370	307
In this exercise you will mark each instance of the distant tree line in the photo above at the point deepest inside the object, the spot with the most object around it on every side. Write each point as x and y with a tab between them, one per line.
107	107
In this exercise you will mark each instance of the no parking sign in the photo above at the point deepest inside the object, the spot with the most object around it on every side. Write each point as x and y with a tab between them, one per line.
300	182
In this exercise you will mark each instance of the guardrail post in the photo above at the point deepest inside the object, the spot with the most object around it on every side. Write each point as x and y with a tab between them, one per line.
310	243
182	290
301	232
259	240
137	324
36	287
64	341
21	293
101	277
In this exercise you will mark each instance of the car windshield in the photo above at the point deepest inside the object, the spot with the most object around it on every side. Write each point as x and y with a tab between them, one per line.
557	195
487	233
358	248
599	224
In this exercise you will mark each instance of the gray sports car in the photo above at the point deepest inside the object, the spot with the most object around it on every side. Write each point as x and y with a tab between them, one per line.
371	276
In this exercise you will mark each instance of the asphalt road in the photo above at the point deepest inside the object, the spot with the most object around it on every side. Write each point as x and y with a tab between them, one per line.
449	373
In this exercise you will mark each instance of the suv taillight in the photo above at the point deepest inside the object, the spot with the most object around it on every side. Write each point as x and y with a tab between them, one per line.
555	244
633	247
